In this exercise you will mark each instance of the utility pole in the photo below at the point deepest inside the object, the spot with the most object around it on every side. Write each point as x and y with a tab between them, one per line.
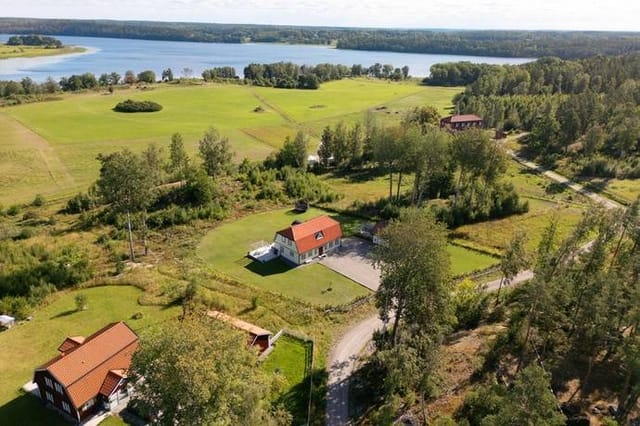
132	256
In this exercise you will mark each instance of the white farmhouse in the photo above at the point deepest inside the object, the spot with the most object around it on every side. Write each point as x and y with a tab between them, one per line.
302	242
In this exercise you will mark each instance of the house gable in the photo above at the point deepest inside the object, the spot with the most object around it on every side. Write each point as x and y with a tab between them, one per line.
84	366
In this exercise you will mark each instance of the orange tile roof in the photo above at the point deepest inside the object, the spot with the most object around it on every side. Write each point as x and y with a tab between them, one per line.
305	235
239	324
111	381
70	343
82	371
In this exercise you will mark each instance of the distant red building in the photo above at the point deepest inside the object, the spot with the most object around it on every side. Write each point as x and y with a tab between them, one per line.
89	374
461	122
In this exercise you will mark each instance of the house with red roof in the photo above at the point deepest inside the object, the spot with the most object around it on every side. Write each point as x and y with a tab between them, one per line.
304	241
89	374
461	122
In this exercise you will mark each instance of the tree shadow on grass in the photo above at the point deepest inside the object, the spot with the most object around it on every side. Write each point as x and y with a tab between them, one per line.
274	267
64	313
306	401
28	410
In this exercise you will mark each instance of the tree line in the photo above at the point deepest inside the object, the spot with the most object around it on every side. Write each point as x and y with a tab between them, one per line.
515	43
465	168
33	40
280	75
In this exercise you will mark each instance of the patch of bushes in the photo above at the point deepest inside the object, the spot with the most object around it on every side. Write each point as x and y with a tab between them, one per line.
131	106
82	202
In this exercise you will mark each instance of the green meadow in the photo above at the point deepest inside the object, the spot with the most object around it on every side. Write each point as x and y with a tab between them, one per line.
50	147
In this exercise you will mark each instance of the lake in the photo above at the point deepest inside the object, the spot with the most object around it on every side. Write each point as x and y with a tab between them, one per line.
105	55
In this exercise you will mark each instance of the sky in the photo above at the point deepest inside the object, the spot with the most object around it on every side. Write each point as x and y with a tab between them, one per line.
610	15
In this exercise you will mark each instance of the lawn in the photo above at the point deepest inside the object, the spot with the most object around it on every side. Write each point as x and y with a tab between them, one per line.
464	261
32	343
7	52
363	186
225	250
292	358
71	132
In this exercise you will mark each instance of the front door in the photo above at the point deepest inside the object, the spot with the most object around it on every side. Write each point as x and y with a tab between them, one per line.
321	250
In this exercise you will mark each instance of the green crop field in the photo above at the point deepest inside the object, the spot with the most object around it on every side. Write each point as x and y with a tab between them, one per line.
51	147
30	344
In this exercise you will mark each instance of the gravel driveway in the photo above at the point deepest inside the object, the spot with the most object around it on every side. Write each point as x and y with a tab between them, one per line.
352	261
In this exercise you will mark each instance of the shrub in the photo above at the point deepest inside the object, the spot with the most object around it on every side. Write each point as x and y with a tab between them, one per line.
26	233
81	302
131	106
38	201
13	210
81	202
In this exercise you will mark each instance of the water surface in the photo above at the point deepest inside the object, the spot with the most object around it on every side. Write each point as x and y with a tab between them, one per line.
106	55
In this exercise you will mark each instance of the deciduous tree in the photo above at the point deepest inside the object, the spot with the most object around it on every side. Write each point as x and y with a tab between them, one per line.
201	372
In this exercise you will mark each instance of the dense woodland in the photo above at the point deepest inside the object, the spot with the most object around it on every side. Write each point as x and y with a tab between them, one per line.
584	110
524	44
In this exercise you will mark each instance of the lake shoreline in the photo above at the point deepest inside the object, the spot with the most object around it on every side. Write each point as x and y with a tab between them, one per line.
42	52
190	59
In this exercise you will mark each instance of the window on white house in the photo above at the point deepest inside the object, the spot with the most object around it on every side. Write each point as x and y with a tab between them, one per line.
319	235
49	396
65	407
291	253
88	404
58	387
48	382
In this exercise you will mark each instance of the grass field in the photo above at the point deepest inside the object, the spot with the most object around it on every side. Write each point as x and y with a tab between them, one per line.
464	261
7	52
292	358
547	201
30	344
225	249
71	132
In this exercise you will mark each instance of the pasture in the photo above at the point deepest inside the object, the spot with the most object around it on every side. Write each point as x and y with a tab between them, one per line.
51	147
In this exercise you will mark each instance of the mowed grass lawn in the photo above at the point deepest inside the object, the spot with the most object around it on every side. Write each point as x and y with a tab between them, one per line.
30	344
292	358
464	261
78	127
225	249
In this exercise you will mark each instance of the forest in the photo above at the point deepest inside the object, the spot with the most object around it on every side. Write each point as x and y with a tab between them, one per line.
524	44
582	110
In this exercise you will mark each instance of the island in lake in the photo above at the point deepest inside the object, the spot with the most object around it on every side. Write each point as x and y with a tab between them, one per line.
35	45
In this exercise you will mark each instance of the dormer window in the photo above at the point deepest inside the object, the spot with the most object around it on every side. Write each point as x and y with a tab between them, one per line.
319	235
